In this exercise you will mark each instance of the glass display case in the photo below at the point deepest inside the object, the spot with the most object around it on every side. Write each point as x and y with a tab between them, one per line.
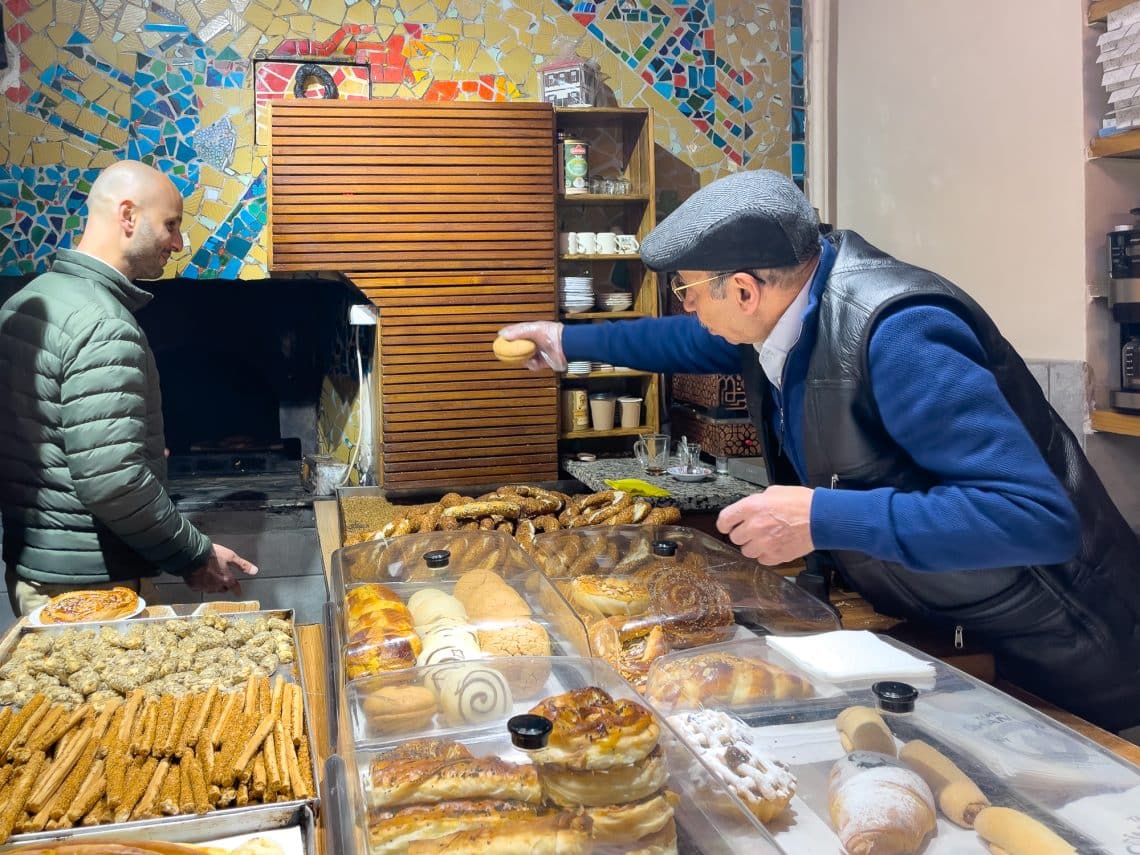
635	593
608	777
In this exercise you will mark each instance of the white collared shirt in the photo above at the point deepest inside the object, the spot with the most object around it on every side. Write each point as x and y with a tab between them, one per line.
774	350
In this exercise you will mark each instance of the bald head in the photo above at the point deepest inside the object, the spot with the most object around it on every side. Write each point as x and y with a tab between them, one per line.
134	219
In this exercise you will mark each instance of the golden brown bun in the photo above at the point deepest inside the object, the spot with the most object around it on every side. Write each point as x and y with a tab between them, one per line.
594	731
878	806
519	638
399	709
604	596
626	823
74	606
391	831
573	788
629	644
513	352
380	633
697	608
425	781
722	679
560	834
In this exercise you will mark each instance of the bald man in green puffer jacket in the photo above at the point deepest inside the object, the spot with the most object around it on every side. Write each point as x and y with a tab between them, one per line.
82	460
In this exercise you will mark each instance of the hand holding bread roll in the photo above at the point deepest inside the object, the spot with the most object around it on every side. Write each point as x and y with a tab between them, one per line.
514	352
1012	832
958	797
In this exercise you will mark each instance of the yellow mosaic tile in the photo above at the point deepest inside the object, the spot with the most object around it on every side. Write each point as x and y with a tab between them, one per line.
425	13
111	8
361	13
258	17
542	42
132	19
246	42
465	55
519	19
518	63
449	27
243	160
385	17
23	125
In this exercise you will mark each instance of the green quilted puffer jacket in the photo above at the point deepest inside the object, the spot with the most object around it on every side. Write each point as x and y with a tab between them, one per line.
81	437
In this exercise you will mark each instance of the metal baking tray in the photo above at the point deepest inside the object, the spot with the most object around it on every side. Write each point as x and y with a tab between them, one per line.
245	819
193	829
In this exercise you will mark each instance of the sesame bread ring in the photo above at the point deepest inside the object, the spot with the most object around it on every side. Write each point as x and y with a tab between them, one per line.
575	788
594	731
513	352
626	823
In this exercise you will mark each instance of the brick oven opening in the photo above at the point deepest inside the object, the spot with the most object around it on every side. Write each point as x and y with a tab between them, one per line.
241	367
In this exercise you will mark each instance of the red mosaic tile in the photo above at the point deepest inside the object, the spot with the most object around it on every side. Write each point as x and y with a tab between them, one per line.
18	94
416	31
18	8
19	32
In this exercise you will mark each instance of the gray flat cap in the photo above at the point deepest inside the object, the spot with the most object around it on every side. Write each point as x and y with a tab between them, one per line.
743	221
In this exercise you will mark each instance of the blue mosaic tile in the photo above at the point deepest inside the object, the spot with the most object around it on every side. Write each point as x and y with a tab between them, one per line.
798	70
797	96
799	125
223	253
798	158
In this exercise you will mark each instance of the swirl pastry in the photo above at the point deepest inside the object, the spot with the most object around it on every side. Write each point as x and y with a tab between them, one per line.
603	596
448	644
764	784
98	604
471	694
414	782
575	788
626	823
595	731
697	609
722	679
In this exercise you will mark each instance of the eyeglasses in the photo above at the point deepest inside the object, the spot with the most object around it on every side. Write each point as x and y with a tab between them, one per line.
677	284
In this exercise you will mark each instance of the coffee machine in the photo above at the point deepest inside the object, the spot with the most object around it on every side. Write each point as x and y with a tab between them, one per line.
1124	301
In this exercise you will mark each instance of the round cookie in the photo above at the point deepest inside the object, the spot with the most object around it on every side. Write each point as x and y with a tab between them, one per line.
399	709
513	352
519	638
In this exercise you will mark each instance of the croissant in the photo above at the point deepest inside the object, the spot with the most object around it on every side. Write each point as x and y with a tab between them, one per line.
878	806
380	633
722	679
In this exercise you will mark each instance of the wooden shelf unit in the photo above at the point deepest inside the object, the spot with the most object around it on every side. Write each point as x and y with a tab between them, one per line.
1124	144
1110	421
1099	9
621	145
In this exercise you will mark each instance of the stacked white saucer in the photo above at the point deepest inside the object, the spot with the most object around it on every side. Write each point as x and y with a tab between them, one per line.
576	293
615	301
580	367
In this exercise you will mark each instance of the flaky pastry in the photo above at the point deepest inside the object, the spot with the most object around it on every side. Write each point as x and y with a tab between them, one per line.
578	788
626	823
75	606
592	730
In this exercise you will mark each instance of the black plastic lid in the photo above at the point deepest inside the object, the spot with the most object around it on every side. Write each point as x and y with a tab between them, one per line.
666	548
895	696
529	732
437	558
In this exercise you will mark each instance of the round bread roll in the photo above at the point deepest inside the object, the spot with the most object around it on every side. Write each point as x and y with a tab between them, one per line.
574	788
471	694
605	596
513	352
399	709
496	602
472	580
432	605
592	730
449	644
519	638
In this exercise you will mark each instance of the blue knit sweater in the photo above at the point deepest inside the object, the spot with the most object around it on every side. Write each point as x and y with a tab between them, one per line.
997	503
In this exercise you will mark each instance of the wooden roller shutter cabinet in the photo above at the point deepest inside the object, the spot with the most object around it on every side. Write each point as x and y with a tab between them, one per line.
443	215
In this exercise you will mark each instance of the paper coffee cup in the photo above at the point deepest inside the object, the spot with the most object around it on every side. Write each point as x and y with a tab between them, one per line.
630	411
602	410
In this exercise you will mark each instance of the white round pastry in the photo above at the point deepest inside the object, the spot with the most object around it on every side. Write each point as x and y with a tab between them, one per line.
471	694
449	644
431	606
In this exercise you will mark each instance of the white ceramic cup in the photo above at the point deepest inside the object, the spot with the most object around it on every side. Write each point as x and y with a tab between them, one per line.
607	243
567	243
627	244
587	243
602	410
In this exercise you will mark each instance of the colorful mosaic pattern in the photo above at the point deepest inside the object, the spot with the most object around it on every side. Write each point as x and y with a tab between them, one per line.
173	83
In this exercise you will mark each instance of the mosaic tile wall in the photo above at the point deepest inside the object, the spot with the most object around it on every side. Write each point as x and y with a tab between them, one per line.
183	84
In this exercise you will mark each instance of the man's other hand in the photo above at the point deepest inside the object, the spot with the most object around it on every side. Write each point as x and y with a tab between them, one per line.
221	572
773	526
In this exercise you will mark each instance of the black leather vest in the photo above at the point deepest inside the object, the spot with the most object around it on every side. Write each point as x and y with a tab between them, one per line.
1069	632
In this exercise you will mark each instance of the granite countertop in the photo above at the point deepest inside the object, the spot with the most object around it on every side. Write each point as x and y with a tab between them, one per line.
712	494
245	491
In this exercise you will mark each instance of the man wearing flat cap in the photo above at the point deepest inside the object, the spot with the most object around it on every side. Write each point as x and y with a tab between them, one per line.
906	442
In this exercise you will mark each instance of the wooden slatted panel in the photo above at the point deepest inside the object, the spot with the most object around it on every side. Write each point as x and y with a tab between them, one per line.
444	216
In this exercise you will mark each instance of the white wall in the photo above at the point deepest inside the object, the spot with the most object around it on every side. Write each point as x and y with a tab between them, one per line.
959	146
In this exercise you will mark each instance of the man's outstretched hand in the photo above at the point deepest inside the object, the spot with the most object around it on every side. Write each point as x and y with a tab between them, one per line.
221	572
